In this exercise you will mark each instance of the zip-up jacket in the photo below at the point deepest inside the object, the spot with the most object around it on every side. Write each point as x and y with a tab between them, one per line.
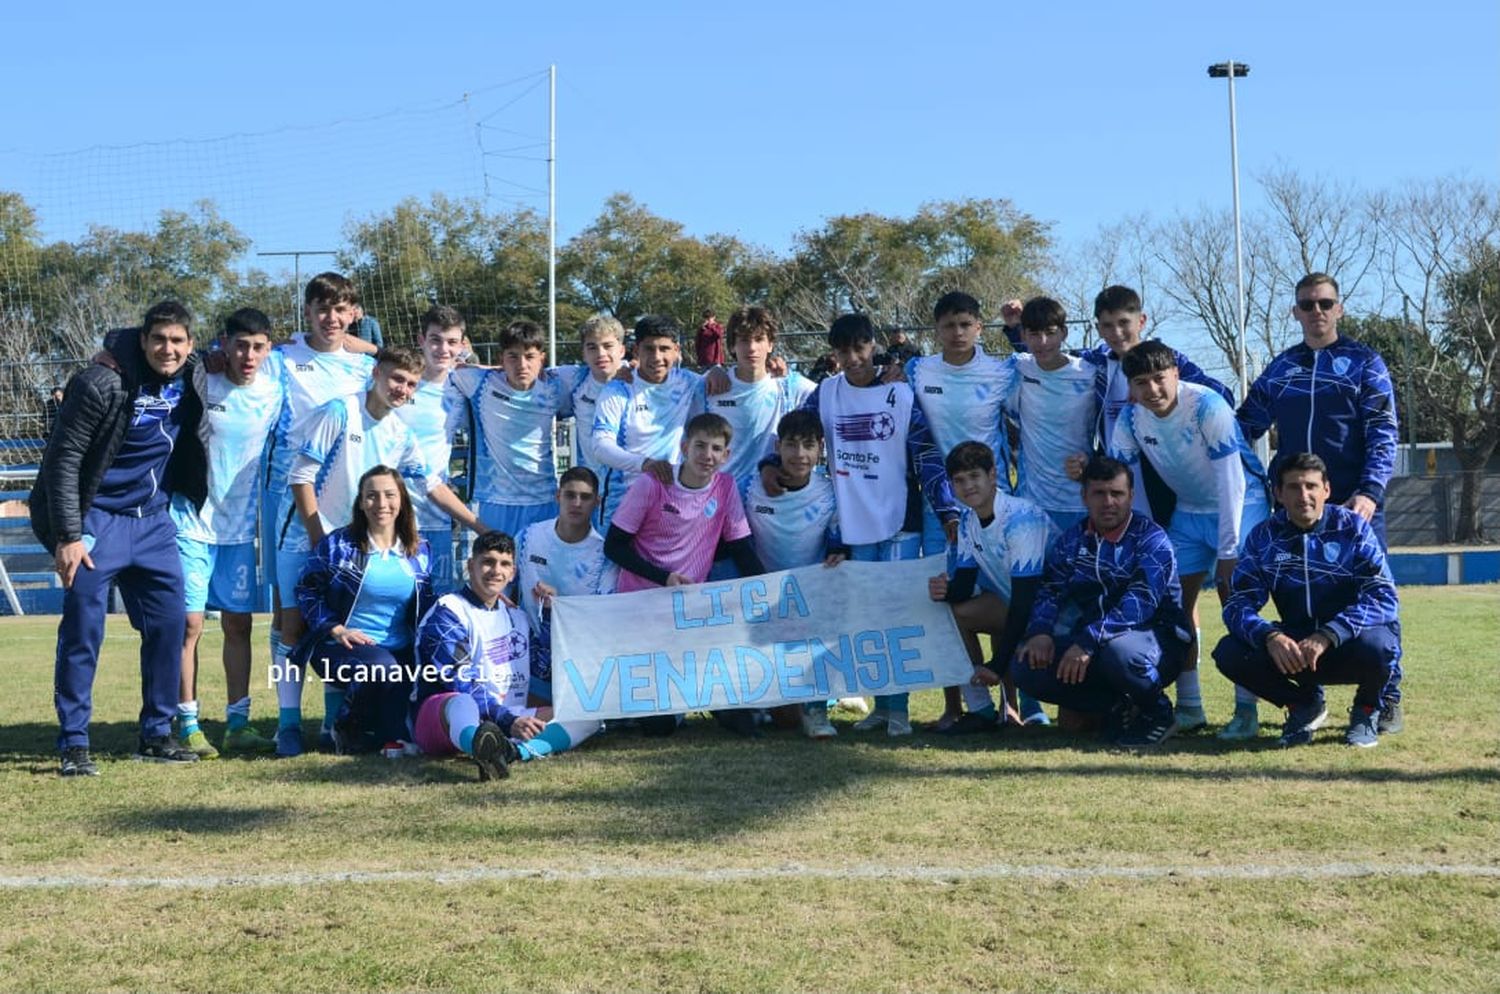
330	582
1332	578
1102	589
1336	402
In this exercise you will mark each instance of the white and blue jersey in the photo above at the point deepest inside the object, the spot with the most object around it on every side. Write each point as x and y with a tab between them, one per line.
1057	414
511	445
236	423
1012	545
482	652
312	379
965	403
426	414
798	528
753	411
573	569
637	421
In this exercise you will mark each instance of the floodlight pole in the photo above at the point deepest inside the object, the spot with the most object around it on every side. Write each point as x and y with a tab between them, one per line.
297	275
1228	71
552	215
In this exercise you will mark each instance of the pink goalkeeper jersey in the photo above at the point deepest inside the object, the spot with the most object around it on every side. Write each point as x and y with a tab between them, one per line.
679	529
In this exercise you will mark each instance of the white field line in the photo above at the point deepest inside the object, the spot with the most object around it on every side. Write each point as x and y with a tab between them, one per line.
757	874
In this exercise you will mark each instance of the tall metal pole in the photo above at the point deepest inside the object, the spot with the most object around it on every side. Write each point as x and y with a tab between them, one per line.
1239	258
297	255
552	214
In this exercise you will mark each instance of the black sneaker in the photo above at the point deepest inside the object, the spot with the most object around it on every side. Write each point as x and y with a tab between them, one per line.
76	763
970	723
658	726
493	752
1391	718
740	721
1150	728
164	749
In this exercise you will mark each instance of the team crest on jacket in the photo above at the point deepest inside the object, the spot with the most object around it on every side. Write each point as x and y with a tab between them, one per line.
875	427
1331	552
1341	364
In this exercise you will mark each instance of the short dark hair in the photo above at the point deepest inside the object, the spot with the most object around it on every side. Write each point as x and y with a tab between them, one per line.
954	302
247	321
522	334
748	320
1299	462
579	474
1313	279
1116	298
443	316
1043	312
709	424
1151	356
164	313
493	541
799	424
967	456
657	326
330	288
1104	469
850	329
402	358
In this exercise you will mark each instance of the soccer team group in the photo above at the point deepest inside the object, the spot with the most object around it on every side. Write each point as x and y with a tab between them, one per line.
1073	504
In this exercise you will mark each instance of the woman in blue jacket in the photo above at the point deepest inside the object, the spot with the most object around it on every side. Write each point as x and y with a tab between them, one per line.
362	592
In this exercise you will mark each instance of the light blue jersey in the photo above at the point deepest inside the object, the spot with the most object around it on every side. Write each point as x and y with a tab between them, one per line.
637	421
1013	544
237	420
426	414
753	411
312	380
512	460
965	403
795	529
573	569
1057	412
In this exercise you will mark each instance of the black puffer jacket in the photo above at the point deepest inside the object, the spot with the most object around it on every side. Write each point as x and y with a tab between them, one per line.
96	410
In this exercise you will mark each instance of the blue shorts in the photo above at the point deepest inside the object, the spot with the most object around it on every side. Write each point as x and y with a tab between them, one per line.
289	566
440	549
1195	537
514	519
218	576
903	545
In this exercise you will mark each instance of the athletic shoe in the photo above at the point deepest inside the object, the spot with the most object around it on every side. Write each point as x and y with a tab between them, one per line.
740	721
872	722
163	749
1032	713
1364	727
945	721
897	725
288	742
1302	721
76	763
1150	728
1190	718
1391	718
1117	719
856	704
493	752
196	742
659	726
246	740
970	723
1245	725
327	742
815	725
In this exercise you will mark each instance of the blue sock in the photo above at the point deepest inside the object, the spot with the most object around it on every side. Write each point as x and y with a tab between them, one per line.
289	718
553	738
333	699
988	713
187	718
238	714
466	739
892	703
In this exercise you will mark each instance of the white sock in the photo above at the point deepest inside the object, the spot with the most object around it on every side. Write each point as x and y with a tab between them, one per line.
289	678
1189	693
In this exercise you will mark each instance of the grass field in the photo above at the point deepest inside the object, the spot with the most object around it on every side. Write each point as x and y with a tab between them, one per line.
1027	861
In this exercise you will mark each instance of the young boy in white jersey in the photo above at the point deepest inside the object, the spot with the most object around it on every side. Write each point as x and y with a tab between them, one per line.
755	401
561	557
343	439
798	526
217	538
603	344
1191	438
996	572
512	413
426	414
473	652
668	535
638	425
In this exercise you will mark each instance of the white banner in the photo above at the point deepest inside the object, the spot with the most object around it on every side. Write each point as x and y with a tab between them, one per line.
807	634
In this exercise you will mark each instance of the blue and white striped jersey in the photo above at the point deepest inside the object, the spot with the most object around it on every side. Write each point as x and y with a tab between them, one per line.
1057	413
638	420
753	411
312	380
512	460
426	414
795	529
1013	544
573	569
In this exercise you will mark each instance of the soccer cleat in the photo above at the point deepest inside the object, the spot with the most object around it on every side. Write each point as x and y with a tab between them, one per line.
1150	728
856	704
1391	718
195	742
1364	727
945	721
288	742
897	725
1302	721
1245	725
163	749
970	723
1190	718
493	752
76	763
246	740
815	725
872	722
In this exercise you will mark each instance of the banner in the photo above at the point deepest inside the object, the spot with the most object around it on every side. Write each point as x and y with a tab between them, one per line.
807	634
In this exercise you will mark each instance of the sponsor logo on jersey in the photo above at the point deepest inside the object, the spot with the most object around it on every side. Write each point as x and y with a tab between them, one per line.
671	509
718	402
1031	379
539	560
220	408
1150	440
876	427
356	438
1341	365
932	389
1283	557
763	509
305	367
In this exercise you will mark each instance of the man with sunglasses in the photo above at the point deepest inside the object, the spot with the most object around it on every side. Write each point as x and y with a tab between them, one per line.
1332	396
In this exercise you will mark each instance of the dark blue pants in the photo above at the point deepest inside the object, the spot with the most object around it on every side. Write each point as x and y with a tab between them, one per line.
377	683
1391	692
1365	661
1135	667
141	555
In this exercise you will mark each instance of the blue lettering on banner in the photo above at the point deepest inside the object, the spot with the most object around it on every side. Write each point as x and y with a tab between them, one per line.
870	648
716	676
632	680
682	679
591	698
743	655
824	660
901	655
791	677
753	601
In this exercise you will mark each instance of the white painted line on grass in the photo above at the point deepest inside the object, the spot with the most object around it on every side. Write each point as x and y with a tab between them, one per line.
915	874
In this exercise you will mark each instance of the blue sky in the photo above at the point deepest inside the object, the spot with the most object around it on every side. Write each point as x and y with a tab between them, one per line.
752	119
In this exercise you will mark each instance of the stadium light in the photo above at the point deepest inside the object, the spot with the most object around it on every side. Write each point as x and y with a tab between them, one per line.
1228	71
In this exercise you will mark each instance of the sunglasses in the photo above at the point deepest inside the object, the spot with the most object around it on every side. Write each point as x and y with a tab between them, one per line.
1321	303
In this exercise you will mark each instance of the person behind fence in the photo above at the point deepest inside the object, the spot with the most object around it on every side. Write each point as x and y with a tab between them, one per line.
1323	567
362	592
1107	634
125	435
477	673
216	537
1333	397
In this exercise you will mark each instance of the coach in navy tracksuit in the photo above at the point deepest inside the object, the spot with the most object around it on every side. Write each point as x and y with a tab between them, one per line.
1107	630
100	506
1325	570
